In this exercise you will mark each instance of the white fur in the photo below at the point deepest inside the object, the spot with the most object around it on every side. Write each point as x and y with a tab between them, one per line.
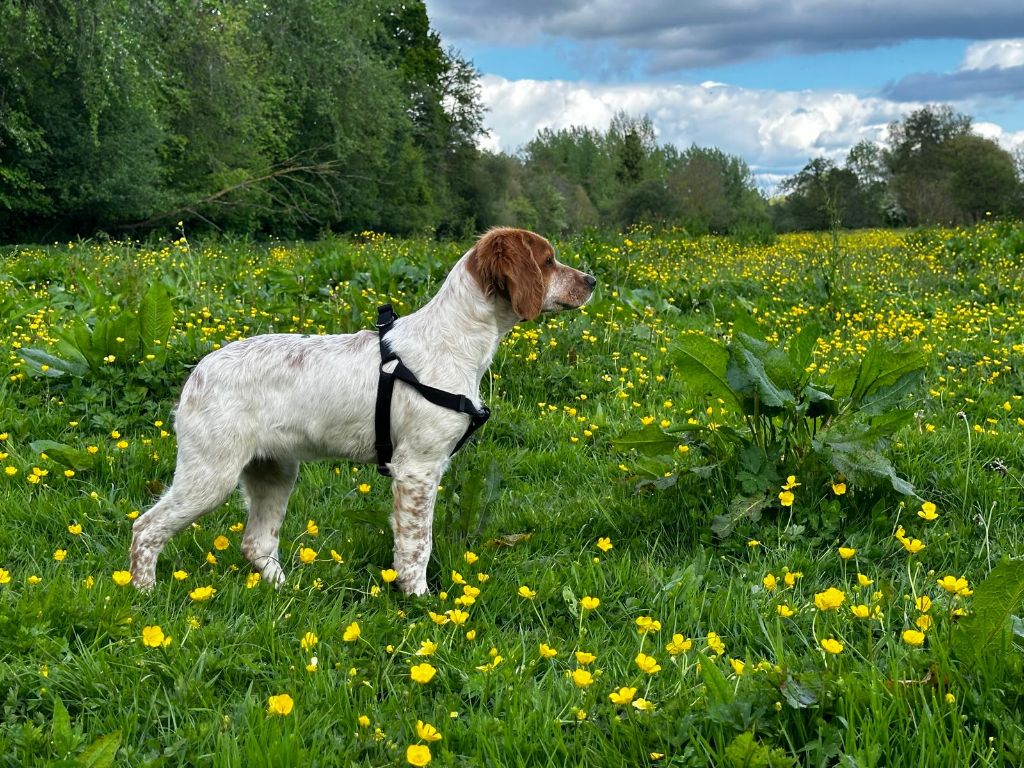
250	412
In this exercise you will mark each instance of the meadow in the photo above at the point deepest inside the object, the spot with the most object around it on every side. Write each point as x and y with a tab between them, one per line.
757	504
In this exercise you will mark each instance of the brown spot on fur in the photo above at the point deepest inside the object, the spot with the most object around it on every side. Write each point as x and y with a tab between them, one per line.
296	358
507	262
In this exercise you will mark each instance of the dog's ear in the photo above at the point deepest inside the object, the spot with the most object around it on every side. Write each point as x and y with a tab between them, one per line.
503	262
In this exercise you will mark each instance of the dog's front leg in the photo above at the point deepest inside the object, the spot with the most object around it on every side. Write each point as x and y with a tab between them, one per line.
414	489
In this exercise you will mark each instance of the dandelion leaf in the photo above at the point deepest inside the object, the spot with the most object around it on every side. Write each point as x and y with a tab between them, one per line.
651	440
101	753
995	601
702	364
156	315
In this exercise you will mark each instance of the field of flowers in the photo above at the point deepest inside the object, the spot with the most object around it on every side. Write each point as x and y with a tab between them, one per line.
633	566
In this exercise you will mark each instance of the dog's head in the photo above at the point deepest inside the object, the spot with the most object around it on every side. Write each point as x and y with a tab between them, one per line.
520	266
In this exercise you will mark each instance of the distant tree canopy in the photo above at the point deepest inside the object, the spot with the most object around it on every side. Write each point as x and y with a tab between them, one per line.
933	170
296	117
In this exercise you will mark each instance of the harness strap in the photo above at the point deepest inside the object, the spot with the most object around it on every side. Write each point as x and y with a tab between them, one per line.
385	389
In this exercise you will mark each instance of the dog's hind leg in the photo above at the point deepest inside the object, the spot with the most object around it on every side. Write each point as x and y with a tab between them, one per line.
200	485
266	485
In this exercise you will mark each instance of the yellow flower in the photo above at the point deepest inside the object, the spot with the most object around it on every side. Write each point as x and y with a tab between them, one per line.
199	594
59	554
122	578
927	511
75	529
211	558
838	488
307	555
582	678
955	586
790	577
584	658
715	643
180	575
11	471
950	698
389	575
365	488
786	498
525	591
769	582
5	576
418	755
427	732
590	603
280	705
913	546
923	603
737	666
33	580
864	581
847	552
645	625
604	544
364	721
352	632
622	696
457	616
427	648
924	622
784	611
913	637
312	528
547	652
336	557
678	644
422	673
830	645
252	580
647	664
221	543
470	557
309	640
830	599
154	637
860	611
643	705
458	578
791	483
437	618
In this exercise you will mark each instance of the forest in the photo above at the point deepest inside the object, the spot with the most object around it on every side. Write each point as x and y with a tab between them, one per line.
298	119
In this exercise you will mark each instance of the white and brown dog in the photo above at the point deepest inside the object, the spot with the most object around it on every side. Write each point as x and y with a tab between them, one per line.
251	411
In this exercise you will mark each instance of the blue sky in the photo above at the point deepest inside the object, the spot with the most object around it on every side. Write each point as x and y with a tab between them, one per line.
774	82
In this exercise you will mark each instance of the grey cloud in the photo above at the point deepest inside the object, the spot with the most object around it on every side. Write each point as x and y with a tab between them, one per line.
962	85
674	35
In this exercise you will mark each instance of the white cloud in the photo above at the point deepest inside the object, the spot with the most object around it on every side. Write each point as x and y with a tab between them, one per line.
776	132
999	54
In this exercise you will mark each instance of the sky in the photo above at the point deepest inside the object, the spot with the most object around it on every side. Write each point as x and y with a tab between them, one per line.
776	83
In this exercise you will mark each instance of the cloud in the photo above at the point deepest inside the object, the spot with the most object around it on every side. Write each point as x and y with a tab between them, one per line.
991	69
776	132
667	35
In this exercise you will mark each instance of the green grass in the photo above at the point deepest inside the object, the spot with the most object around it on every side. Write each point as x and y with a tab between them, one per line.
561	389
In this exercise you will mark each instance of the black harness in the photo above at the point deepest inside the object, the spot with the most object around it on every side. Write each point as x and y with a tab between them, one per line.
386	386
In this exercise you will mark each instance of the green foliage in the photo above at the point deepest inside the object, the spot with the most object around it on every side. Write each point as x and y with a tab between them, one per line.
996	601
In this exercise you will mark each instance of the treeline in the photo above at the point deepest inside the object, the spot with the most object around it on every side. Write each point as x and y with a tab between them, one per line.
296	117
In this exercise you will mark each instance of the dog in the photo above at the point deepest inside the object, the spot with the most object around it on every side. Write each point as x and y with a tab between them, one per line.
251	411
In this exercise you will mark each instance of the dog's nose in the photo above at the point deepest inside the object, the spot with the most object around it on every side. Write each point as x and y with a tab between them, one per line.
590	280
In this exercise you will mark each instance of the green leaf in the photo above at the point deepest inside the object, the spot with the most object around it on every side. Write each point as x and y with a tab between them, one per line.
60	729
570	601
719	692
892	396
801	346
156	315
701	363
865	466
100	754
64	454
745	752
740	508
39	359
649	441
883	367
995	601
746	374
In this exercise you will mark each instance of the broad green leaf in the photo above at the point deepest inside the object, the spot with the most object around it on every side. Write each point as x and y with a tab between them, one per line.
892	396
64	454
883	367
746	373
156	315
60	729
995	600
650	441
719	692
50	365
741	508
867	466
801	346
702	364
101	753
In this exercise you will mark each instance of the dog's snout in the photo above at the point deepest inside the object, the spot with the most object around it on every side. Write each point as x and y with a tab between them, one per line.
590	280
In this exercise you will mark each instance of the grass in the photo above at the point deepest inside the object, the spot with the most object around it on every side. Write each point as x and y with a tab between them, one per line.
79	686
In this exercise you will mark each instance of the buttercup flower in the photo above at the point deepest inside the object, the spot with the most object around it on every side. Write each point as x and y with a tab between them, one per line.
154	637
829	600
582	678
584	658
678	644
791	483
622	696
927	511
280	705
427	648
838	488
913	637
418	755
307	555
525	591
604	544
199	594
590	603
830	645
647	664
715	643
784	611
646	625
546	651
389	575
122	578
786	498
221	543
309	640
352	632
847	552
427	732
769	582
422	673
